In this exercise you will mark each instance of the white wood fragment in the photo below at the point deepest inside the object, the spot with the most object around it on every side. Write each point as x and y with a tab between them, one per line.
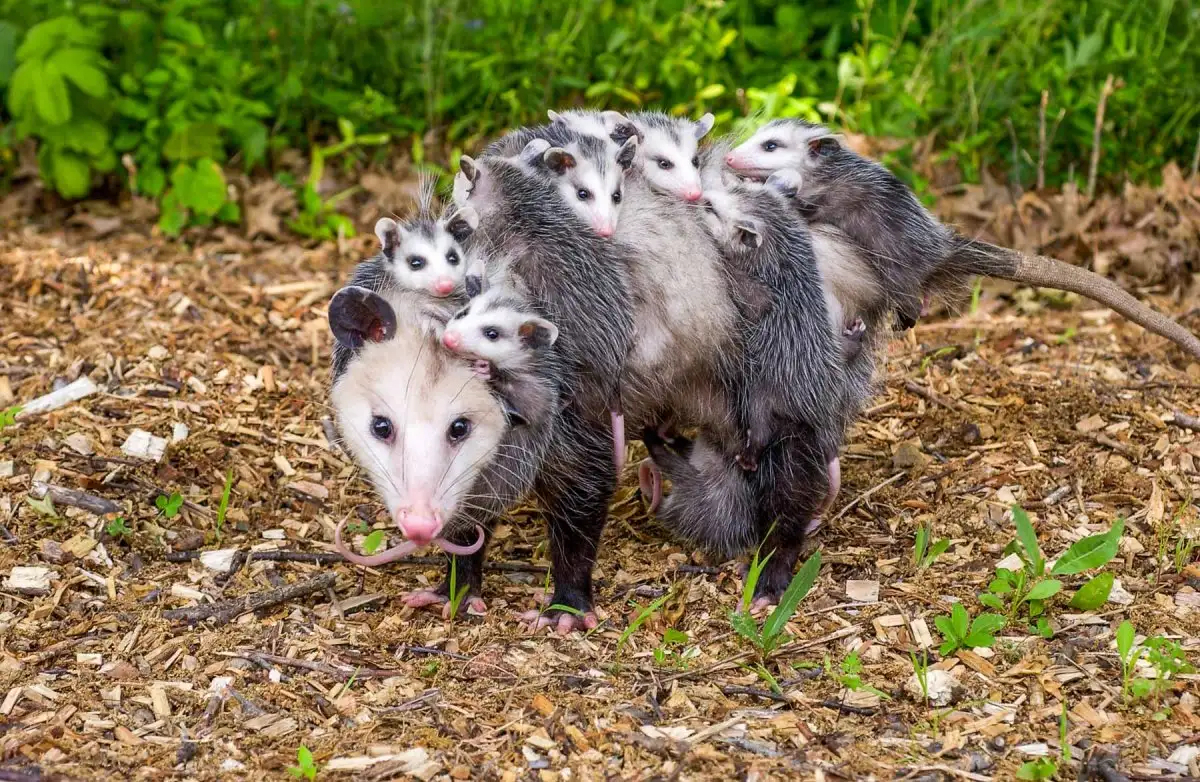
89	658
220	685
310	489
1036	750
921	634
79	443
939	686
275	534
284	465
158	353
411	760
229	764
1011	562
179	432
68	394
862	591
159	702
6	469
1119	595
10	701
220	560
1185	755
142	445
29	579
187	593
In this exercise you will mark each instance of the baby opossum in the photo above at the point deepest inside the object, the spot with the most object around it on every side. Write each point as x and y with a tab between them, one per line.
913	255
669	146
425	252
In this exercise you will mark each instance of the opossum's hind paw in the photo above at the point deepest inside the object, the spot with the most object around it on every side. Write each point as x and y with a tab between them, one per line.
650	483
747	460
761	605
562	621
419	598
482	369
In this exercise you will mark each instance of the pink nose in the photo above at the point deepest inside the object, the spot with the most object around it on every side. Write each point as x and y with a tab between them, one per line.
692	196
444	286
452	340
605	230
731	159
421	528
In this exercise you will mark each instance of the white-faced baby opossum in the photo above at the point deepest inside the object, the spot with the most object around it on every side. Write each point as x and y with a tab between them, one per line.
587	171
668	152
446	452
914	255
580	283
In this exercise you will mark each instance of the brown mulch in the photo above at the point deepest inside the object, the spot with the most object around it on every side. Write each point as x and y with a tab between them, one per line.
1061	407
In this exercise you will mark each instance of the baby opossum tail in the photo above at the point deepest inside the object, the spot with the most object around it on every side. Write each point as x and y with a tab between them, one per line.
975	257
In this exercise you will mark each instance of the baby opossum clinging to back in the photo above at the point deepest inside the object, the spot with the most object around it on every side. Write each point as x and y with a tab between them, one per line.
668	153
912	253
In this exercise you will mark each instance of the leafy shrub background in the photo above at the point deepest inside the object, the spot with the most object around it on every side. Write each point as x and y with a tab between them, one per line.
157	97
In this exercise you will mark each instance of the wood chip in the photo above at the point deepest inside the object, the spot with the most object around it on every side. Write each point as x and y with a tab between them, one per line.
863	591
142	445
29	580
68	394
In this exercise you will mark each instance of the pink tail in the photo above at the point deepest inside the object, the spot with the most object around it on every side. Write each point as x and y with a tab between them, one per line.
650	482
618	427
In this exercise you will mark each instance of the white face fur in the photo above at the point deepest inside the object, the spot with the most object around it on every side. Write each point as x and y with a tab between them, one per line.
774	146
423	258
489	328
592	188
669	157
421	425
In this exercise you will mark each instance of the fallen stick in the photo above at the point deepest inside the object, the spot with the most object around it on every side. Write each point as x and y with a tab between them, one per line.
1185	421
73	498
225	611
72	392
330	558
930	395
340	672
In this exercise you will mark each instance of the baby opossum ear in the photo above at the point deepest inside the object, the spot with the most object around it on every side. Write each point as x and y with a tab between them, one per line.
389	233
554	116
750	233
825	145
534	150
785	181
558	159
703	125
619	127
469	168
514	416
537	333
358	316
462	222
473	284
627	152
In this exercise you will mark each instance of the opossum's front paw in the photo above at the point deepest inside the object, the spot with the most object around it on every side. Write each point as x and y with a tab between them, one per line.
562	611
421	598
482	368
747	460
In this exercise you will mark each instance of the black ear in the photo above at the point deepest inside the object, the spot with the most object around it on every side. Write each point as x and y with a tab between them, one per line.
462	223
388	231
512	414
473	284
627	152
559	160
619	127
826	145
358	316
470	169
750	233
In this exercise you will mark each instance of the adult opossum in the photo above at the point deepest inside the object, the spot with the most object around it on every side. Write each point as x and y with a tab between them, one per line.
912	253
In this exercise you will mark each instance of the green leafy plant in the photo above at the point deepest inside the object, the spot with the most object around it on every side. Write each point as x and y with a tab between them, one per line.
457	593
8	416
318	217
373	541
849	675
959	632
1165	657
641	617
169	504
305	768
1042	768
672	638
117	528
767	638
197	196
924	554
223	505
44	506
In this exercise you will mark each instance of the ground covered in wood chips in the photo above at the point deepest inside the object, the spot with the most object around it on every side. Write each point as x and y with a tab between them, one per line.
217	351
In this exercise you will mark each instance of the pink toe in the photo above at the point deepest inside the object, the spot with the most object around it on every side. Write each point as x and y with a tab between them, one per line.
566	623
422	598
476	606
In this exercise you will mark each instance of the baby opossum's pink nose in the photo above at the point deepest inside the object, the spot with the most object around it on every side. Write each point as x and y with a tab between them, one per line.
444	286
692	196
452	340
731	160
421	527
604	230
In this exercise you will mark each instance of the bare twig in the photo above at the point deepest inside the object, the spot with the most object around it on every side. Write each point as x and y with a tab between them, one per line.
17	775
865	495
846	708
1102	439
225	611
427	698
1097	132
1185	421
430	651
735	689
7	536
73	498
1041	166
338	671
930	395
951	770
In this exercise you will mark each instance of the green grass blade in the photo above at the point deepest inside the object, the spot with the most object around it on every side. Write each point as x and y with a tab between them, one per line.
801	583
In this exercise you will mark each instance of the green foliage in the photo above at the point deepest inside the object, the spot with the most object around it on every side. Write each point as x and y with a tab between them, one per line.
767	638
223	505
238	82
117	528
44	506
1166	658
305	768
641	618
849	675
318	218
959	632
373	541
8	416
457	593
1042	768
169	504
925	555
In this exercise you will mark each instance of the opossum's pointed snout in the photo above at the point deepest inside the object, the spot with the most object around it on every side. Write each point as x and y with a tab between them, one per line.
420	526
604	229
732	160
452	340
693	195
443	286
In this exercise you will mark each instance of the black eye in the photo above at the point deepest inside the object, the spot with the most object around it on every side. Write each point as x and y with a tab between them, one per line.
665	165
416	262
452	258
770	146
617	197
696	162
459	429
382	428
584	194
491	333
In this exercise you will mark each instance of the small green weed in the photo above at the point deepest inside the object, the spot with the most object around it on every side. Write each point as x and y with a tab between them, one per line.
318	218
223	505
44	506
457	593
767	638
373	541
849	675
169	504
921	669
8	416
1165	656
959	632
924	554
430	669
1042	768
672	640
642	616
117	528
305	768
1064	741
